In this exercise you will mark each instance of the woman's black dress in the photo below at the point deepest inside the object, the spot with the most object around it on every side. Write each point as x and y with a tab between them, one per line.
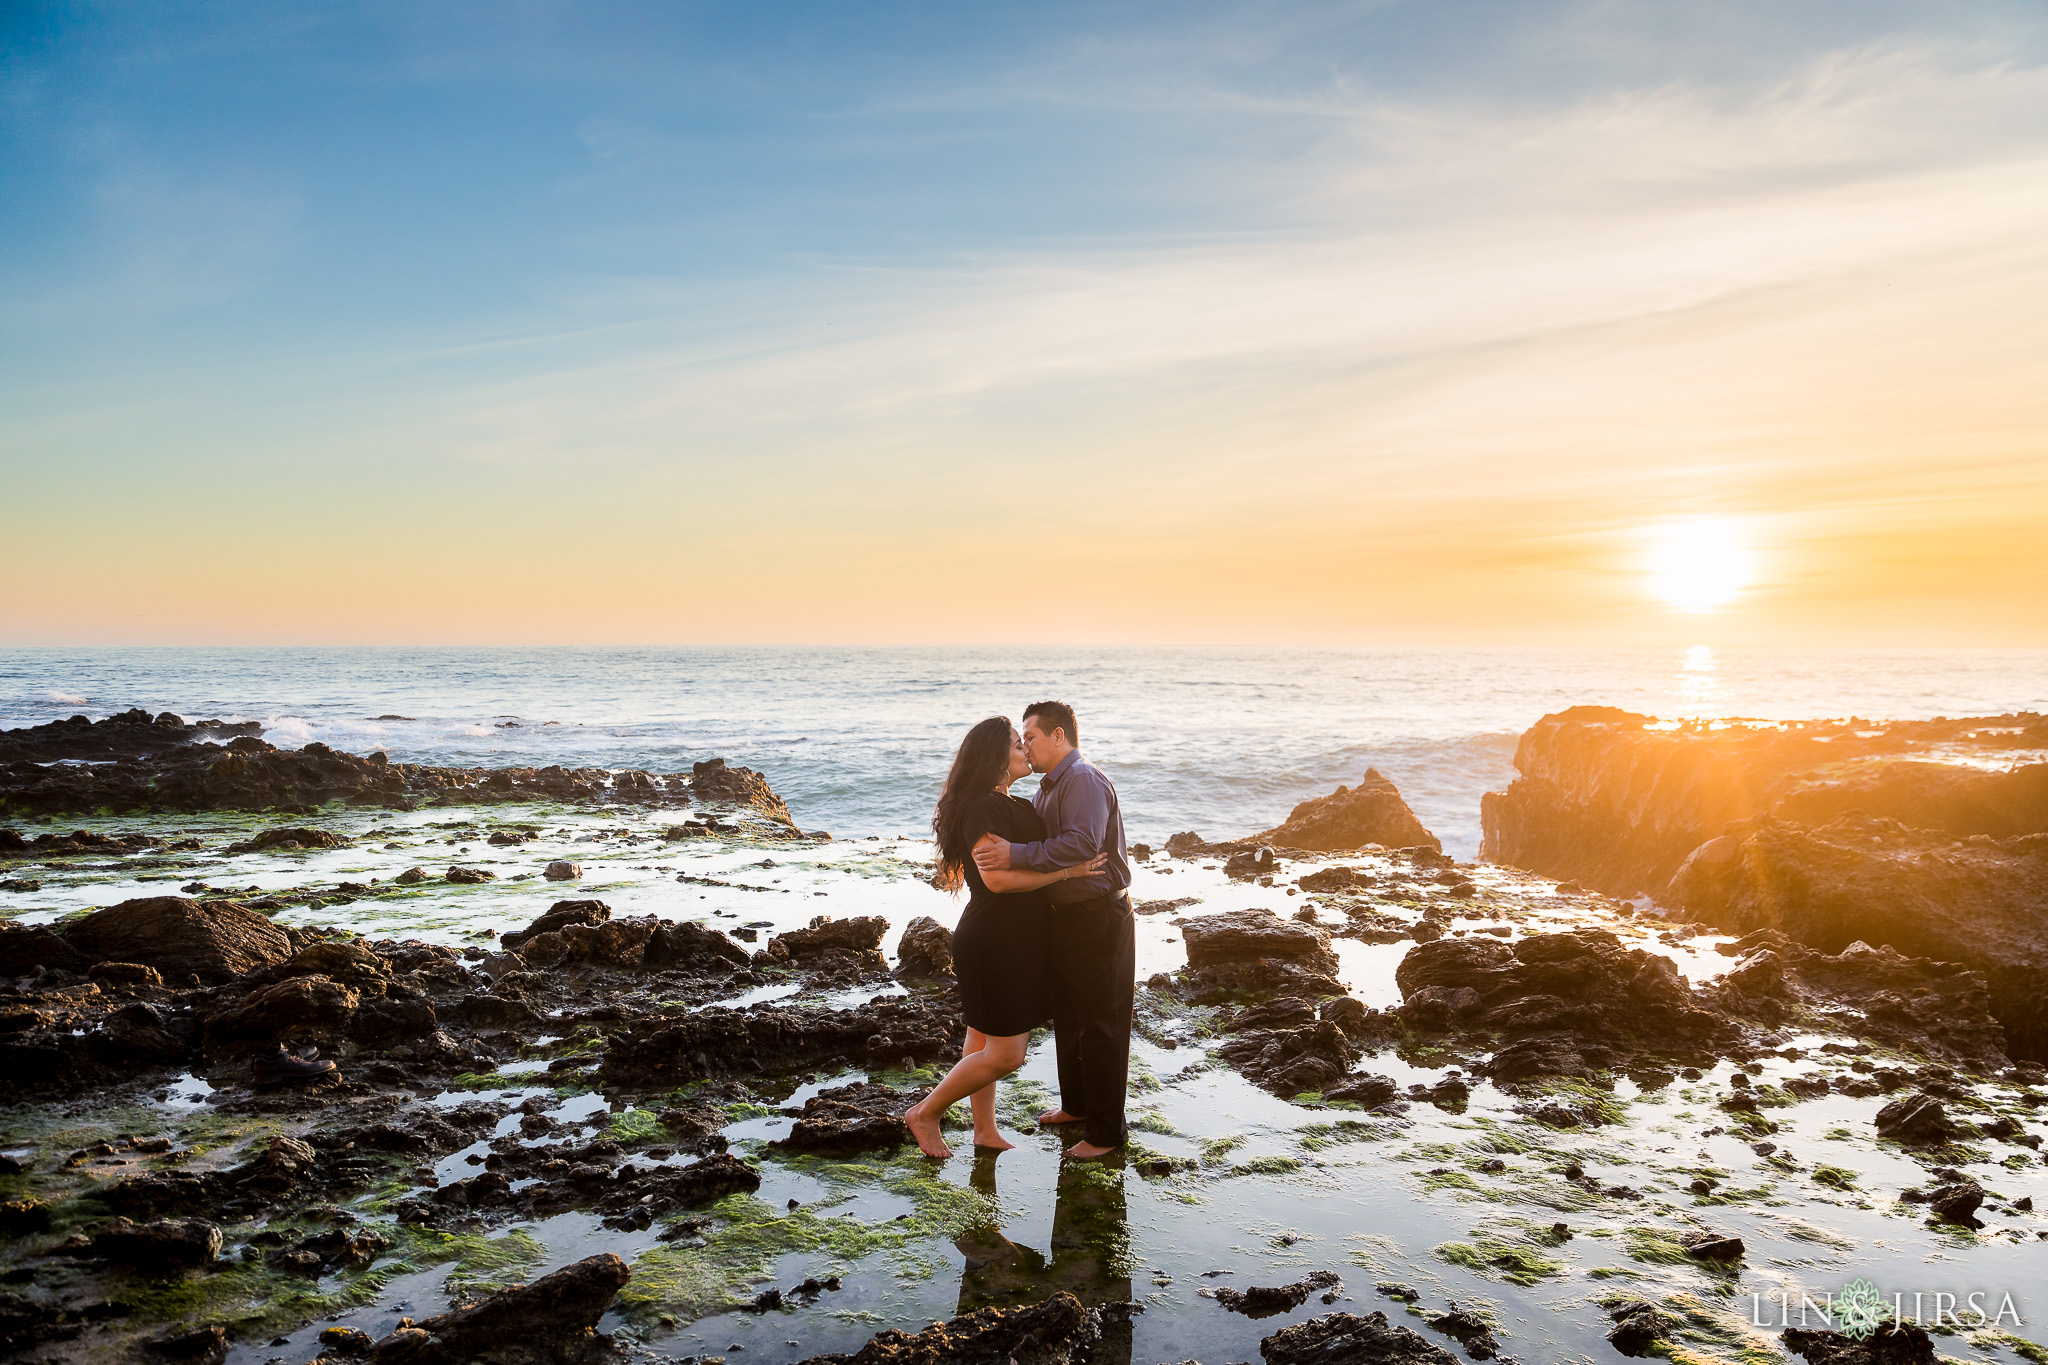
1001	947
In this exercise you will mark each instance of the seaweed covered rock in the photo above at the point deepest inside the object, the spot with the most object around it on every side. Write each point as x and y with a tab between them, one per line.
552	1321
1891	1344
161	1247
1347	1339
1373	812
1057	1331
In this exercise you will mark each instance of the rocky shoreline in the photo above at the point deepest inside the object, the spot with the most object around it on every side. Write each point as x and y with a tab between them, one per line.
666	1083
1830	832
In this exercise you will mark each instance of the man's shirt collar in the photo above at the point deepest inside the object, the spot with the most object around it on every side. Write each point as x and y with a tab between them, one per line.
1059	769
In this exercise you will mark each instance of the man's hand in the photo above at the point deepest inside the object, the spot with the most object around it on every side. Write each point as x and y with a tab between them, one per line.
992	854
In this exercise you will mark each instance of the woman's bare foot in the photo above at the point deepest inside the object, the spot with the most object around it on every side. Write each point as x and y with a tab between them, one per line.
925	1128
1053	1116
1088	1151
993	1142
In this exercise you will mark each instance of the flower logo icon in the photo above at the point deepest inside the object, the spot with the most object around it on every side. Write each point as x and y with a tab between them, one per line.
1859	1308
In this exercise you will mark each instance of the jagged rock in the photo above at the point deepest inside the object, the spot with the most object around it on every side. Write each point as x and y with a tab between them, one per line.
562	870
1891	1344
302	1004
926	949
1638	1327
554	1319
1957	1202
1915	1119
1057	1331
1352	817
130	734
1977	901
1711	1246
1291	1062
1237	936
692	947
25	947
1250	862
202	1345
169	1244
1347	1339
559	916
1368	1090
1265	1301
666	1052
469	876
1612	799
855	940
288	837
862	1117
1470	1331
1567	1004
180	938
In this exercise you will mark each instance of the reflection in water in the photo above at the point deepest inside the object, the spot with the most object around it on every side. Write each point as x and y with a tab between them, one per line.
1699	682
1090	1252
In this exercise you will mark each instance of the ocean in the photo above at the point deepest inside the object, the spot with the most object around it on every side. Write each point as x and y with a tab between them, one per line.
1222	741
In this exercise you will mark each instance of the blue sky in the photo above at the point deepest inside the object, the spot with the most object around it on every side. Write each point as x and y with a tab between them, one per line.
1494	286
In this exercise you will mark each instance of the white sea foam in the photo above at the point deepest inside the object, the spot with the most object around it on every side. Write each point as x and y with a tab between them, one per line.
66	698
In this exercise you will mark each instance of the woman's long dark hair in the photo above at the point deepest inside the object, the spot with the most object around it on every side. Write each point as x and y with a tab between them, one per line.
982	762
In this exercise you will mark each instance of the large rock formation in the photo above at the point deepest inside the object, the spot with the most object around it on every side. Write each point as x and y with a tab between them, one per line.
164	764
180	938
1618	800
1979	901
1834	832
1351	817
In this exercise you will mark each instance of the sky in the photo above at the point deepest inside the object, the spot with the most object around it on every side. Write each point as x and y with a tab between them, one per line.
1375	323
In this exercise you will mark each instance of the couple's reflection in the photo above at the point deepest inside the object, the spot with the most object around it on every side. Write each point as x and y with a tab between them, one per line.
1089	1254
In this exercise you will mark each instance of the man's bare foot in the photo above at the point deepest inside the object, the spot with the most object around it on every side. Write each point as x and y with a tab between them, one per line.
993	1142
1088	1151
1053	1116
925	1128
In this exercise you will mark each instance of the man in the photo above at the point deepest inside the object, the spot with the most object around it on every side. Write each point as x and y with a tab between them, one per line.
1094	947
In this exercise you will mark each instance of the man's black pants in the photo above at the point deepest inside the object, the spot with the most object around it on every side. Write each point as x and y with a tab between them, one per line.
1094	954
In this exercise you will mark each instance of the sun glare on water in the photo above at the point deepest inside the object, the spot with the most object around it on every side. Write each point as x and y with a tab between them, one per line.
1698	565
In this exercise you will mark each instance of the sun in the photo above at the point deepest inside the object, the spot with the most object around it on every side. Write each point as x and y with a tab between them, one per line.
1698	565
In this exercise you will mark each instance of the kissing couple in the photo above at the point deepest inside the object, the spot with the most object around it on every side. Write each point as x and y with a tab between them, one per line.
1047	932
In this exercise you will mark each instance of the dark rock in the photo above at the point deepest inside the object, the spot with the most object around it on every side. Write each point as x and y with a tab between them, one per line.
1250	862
1347	1339
861	1117
161	1247
1956	1202
1892	1344
1265	1301
180	938
1638	1327
205	1345
926	949
1712	1246
1368	1090
1352	817
300	1006
1916	1120
1239	936
667	1052
1291	1062
562	870
288	837
1470	1330
560	915
855	940
1056	1331
692	947
470	875
552	1319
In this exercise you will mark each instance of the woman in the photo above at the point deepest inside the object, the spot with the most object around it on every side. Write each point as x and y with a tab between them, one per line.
999	950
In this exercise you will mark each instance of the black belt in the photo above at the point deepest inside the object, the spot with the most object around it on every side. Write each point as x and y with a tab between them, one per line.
1115	900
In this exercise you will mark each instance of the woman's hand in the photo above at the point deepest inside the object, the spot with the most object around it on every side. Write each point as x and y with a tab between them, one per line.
1087	869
